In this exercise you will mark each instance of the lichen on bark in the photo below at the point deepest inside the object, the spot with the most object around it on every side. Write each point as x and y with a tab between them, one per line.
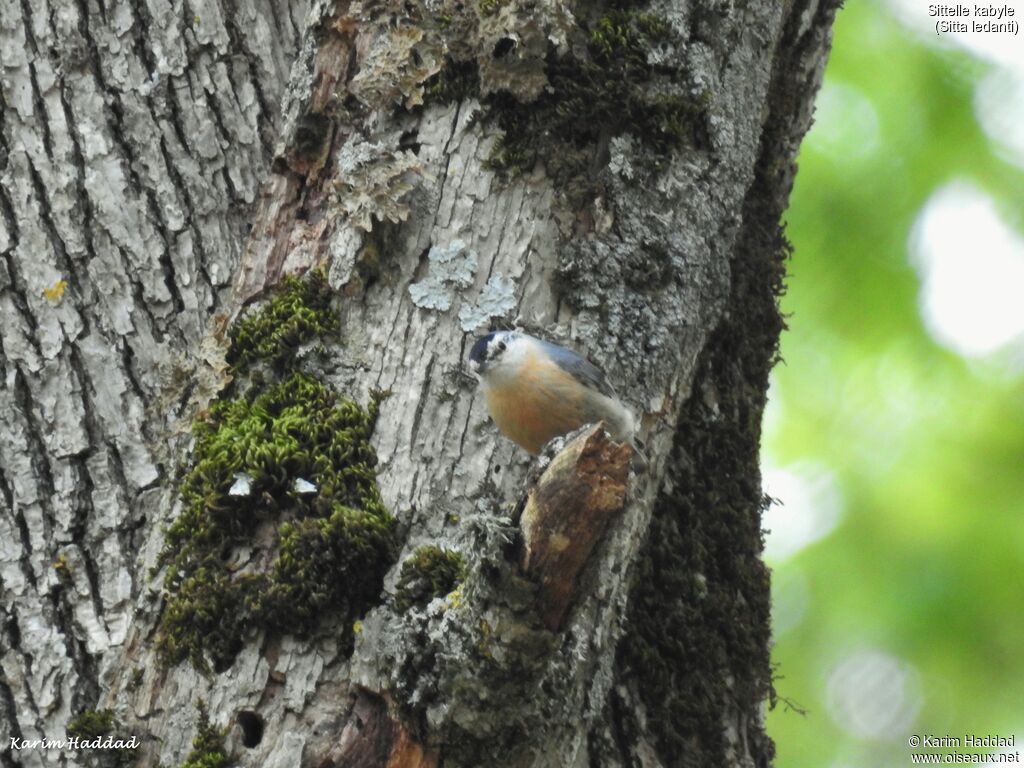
619	72
136	142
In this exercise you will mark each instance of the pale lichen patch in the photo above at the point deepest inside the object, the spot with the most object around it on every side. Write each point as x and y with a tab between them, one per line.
452	268
513	42
397	63
373	182
497	298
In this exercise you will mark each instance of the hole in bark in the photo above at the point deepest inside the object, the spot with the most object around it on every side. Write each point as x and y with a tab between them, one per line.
422	264
408	141
503	47
252	728
311	135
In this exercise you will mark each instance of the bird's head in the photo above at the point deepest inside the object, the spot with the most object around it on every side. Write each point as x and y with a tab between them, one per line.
495	351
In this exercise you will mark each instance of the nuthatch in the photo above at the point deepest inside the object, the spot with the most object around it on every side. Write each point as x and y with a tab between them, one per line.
537	391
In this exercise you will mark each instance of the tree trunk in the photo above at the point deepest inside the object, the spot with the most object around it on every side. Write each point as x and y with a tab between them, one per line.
610	178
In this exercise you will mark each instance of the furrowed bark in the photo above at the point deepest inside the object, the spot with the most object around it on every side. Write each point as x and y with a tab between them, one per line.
452	168
133	140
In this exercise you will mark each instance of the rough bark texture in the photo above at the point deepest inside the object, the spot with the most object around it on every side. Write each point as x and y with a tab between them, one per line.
612	178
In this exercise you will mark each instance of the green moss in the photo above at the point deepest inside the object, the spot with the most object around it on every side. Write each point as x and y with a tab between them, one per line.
136	679
699	619
607	89
65	573
208	750
282	520
334	563
457	81
627	34
298	313
699	610
430	572
489	7
321	550
93	723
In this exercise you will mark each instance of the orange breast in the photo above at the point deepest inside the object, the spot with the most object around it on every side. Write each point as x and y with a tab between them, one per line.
539	404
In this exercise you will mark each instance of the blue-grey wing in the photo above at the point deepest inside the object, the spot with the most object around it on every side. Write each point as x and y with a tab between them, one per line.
582	369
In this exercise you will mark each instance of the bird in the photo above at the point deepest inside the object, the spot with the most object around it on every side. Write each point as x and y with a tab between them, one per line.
536	390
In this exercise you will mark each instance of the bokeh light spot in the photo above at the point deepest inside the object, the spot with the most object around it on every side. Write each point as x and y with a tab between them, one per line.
806	506
873	695
790	598
845	124
999	109
972	270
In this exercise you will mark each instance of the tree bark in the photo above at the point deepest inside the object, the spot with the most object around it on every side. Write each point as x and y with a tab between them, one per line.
451	167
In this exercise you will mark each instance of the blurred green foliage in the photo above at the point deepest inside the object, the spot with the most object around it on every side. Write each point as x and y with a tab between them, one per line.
926	447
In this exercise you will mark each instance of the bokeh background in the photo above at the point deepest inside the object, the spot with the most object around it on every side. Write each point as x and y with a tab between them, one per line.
894	438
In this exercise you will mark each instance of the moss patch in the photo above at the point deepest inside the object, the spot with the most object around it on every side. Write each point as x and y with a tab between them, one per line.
430	572
606	87
457	81
283	521
208	750
296	459
93	724
699	611
298	313
699	619
489	7
610	91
